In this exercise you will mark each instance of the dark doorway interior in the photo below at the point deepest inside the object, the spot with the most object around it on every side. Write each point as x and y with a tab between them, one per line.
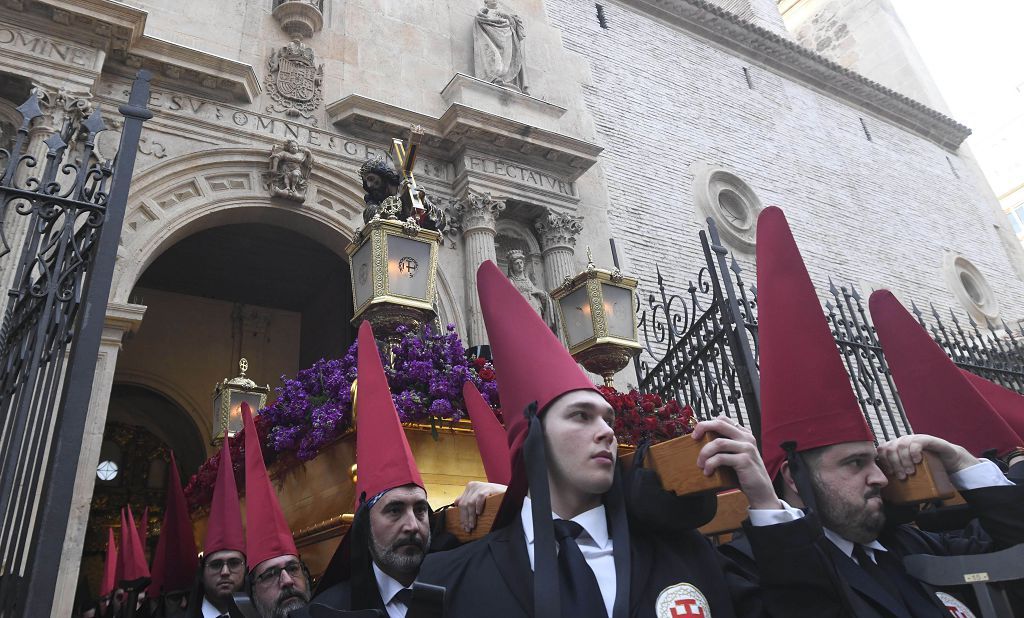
268	266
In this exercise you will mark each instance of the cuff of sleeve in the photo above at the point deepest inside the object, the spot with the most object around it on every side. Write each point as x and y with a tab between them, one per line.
770	517
984	474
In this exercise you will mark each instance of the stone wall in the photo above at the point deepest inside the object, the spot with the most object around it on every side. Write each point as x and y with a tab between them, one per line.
869	202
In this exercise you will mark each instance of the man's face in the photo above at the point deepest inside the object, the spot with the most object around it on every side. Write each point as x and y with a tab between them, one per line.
372	182
279	586
400	531
581	446
223	574
847	487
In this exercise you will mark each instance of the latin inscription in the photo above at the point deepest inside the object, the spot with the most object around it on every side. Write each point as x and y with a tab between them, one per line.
43	47
160	100
519	173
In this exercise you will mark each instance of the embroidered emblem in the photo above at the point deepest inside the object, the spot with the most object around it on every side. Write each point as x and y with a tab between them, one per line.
955	607
682	600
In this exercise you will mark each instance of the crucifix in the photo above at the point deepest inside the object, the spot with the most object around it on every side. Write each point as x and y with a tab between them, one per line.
405	159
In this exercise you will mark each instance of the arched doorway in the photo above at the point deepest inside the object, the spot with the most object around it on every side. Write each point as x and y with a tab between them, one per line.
235	289
143	427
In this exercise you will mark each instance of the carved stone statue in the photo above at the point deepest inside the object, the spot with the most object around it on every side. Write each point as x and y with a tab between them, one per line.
290	167
498	47
538	298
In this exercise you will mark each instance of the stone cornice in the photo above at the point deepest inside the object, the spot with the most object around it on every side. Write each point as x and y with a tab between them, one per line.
788	58
460	126
122	28
193	70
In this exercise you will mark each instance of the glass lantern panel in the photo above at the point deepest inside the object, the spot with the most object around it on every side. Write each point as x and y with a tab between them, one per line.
618	311
408	267
362	274
235	423
579	326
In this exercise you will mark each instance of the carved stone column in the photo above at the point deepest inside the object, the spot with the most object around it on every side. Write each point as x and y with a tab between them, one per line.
558	234
479	214
121	319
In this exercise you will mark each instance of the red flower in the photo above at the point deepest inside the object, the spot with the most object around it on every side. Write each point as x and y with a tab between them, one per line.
486	374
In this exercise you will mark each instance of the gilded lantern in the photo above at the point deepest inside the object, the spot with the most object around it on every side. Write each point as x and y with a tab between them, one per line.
597	309
394	269
227	402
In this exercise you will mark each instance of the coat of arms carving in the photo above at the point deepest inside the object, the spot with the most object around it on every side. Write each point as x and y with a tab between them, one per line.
295	81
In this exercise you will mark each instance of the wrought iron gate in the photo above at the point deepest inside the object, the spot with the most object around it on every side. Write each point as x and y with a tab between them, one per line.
706	340
51	332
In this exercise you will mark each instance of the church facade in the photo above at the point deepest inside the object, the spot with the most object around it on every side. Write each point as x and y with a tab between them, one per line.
549	127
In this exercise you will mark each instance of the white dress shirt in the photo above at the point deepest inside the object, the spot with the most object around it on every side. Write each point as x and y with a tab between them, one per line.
389	587
209	611
983	474
594	544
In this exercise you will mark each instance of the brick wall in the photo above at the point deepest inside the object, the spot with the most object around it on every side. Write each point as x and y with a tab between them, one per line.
878	212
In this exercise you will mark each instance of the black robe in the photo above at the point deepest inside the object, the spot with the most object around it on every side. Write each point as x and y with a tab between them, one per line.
338	597
835	585
492	577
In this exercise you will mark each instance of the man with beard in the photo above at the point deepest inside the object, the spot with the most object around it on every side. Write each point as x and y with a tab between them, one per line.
279	582
378	560
818	447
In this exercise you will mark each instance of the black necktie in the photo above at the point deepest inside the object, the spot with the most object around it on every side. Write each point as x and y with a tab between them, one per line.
877	573
404	596
581	595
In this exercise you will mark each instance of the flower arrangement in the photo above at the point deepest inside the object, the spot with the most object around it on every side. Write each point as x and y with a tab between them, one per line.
641	416
425	372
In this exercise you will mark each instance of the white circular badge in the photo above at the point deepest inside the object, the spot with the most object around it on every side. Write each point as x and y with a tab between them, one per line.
955	607
682	600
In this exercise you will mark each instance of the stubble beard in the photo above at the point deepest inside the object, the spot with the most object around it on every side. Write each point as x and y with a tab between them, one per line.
390	560
859	523
282	606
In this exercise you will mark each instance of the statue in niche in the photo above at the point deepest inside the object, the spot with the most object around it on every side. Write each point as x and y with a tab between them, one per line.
498	47
538	298
290	167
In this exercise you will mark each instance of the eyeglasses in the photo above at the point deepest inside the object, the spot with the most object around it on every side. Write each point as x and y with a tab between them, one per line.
233	564
274	573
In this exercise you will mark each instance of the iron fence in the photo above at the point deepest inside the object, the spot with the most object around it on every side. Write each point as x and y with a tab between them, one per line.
700	346
51	332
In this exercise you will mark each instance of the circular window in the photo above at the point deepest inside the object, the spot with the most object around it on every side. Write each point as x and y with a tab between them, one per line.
106	471
970	288
722	195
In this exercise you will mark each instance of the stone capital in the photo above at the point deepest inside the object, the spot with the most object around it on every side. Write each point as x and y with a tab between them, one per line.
479	211
558	230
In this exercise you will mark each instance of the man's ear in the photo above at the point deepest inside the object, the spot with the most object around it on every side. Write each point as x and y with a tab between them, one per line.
789	490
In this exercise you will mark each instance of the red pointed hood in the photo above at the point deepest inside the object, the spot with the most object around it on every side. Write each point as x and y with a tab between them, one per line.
1009	404
109	581
224	530
175	560
132	559
532	363
382	451
267	534
806	395
490	436
144	526
936	396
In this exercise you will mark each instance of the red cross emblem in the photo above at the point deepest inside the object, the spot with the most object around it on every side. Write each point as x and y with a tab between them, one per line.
687	607
682	600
